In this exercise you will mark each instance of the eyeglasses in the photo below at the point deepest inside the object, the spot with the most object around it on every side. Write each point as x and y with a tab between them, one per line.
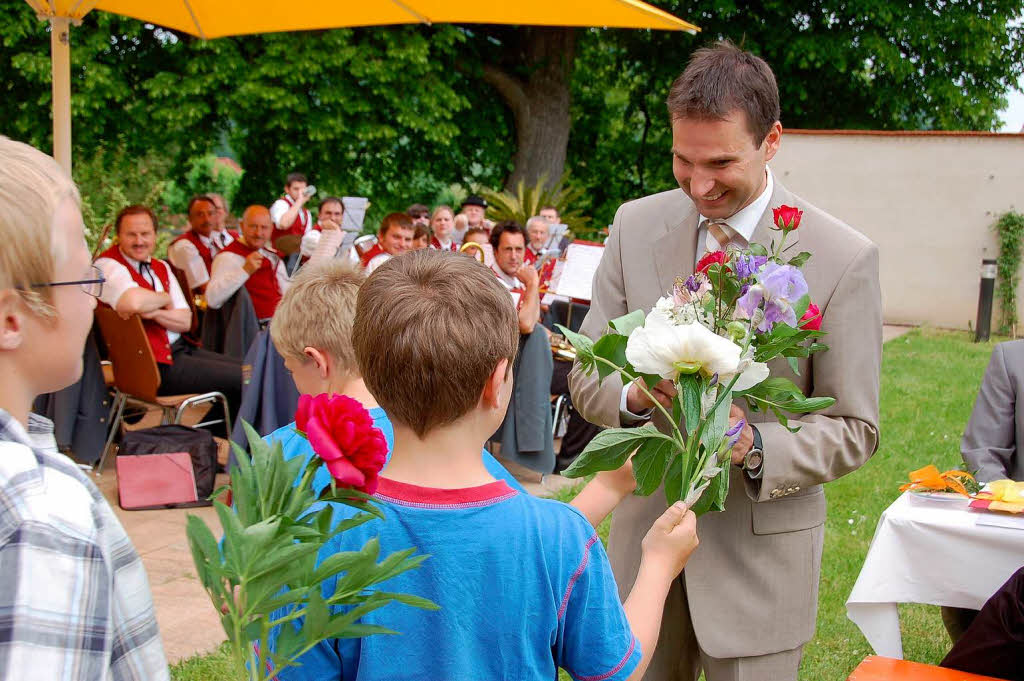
94	287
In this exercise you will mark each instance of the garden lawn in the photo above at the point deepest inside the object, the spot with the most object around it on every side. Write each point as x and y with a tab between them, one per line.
929	382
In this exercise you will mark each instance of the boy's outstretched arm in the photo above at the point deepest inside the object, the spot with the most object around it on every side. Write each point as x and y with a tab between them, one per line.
604	492
665	549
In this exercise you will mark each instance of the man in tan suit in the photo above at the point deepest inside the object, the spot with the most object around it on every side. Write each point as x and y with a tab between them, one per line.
746	603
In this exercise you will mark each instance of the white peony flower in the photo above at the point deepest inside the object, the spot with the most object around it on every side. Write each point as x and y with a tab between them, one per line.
666	350
751	376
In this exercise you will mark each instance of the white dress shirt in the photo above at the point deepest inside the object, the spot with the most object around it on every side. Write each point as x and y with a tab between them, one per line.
184	255
119	280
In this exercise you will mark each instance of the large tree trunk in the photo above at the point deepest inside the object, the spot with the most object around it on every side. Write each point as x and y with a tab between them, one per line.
539	101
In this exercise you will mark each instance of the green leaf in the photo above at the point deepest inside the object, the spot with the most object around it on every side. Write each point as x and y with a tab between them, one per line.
794	365
609	449
410	600
690	389
611	347
674	480
801	305
627	323
799	259
650	463
583	345
757	249
715	425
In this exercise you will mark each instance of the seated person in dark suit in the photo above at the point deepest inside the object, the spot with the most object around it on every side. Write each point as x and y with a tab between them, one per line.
994	643
138	283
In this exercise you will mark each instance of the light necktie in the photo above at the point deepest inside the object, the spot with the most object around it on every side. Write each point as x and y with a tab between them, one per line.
718	238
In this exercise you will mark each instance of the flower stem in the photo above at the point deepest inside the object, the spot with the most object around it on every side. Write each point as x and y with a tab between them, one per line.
782	242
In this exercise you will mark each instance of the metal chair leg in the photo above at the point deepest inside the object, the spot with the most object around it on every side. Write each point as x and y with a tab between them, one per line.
115	425
557	416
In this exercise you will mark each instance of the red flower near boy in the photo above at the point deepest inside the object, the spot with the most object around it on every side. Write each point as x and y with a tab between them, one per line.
343	435
717	257
811	321
787	218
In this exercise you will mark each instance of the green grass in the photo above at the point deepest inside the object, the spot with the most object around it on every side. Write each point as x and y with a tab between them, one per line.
929	382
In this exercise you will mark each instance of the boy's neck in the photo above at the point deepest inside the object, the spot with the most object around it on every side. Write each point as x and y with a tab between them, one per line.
356	389
445	458
16	397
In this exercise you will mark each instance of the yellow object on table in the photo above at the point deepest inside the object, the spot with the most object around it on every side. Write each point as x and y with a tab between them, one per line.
1006	496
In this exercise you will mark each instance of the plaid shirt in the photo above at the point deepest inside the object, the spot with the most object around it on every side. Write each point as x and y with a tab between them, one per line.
74	597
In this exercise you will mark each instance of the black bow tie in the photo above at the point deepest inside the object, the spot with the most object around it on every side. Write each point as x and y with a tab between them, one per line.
146	270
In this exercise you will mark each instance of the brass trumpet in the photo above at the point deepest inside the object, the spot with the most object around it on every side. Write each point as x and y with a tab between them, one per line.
479	250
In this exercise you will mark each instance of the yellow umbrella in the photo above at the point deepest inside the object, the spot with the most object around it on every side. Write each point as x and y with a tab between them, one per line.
217	18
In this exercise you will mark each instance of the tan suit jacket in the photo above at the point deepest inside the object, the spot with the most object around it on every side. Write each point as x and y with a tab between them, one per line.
752	584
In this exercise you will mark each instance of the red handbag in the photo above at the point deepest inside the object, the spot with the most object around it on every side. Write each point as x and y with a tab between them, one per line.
152	481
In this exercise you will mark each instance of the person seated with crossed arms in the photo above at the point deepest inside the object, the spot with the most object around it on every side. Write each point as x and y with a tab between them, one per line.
139	284
252	262
395	237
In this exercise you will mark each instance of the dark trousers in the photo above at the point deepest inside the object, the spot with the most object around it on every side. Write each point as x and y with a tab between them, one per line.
200	371
994	643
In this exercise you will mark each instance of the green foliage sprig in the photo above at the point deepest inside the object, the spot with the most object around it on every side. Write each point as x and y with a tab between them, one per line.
264	575
1010	230
527	201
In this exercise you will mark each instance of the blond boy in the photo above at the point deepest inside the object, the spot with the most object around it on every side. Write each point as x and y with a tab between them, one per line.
75	599
523	583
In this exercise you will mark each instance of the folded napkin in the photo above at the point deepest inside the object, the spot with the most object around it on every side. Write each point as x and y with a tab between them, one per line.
1006	496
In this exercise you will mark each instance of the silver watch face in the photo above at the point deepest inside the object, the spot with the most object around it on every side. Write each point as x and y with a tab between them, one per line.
753	459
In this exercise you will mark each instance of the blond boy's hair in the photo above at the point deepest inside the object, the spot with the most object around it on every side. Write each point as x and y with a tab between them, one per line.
430	327
316	311
32	185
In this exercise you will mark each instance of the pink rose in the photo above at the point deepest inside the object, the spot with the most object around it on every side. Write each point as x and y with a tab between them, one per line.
343	435
811	321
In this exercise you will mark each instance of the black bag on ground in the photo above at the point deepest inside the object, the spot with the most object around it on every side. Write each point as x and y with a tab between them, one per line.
176	438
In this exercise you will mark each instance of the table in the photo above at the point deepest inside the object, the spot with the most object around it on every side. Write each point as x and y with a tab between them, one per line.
933	552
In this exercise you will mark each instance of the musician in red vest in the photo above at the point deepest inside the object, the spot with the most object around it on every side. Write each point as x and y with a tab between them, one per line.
442	224
252	262
193	251
394	238
522	280
289	214
138	283
221	232
329	217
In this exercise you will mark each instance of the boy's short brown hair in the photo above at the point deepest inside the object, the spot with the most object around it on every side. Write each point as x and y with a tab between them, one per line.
395	220
317	311
430	328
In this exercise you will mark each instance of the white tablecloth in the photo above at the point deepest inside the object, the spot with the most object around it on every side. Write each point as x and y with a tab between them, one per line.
934	552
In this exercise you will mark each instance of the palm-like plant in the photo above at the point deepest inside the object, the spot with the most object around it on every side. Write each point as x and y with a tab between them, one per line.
526	202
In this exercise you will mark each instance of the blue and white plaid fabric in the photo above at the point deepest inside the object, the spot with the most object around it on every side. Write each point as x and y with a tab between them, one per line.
74	597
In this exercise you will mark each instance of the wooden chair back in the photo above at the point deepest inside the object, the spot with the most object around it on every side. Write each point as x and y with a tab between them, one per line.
182	278
135	370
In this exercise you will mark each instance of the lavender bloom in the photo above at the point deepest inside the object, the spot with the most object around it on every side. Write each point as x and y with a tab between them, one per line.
749	265
692	284
713	381
779	287
734	433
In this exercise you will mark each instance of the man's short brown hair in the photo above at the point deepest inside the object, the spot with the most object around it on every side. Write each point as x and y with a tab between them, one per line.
395	220
722	79
134	209
317	312
430	328
292	178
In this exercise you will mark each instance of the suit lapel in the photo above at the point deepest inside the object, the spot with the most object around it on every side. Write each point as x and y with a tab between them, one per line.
765	232
676	250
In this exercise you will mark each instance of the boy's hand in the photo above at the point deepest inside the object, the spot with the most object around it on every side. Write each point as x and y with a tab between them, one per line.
670	541
620	480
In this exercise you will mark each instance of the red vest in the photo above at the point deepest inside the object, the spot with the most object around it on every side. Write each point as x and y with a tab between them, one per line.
298	227
261	284
155	334
529	257
374	251
436	244
204	251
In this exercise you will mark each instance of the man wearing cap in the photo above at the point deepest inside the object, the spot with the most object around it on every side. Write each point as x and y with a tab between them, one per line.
474	208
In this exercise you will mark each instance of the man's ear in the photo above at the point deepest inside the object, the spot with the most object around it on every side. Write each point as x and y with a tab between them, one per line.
321	359
773	140
12	320
491	396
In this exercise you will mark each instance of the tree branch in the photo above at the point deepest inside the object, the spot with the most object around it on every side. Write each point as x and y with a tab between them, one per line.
510	88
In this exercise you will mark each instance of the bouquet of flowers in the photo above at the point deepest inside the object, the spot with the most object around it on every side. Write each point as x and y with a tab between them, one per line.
265	572
712	336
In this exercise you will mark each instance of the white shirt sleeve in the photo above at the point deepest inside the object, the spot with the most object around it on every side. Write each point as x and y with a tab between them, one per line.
281	270
626	417
185	256
228	276
327	245
376	261
277	209
310	240
118	280
178	300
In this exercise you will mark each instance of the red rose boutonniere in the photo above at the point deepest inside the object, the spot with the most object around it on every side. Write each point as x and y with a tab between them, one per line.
787	218
343	435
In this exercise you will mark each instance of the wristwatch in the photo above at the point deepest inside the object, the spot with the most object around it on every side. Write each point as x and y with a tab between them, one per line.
753	461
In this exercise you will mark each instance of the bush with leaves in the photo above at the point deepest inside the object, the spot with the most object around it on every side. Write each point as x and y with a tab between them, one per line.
526	202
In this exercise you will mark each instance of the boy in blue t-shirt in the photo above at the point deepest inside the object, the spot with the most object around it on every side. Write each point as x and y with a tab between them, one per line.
524	584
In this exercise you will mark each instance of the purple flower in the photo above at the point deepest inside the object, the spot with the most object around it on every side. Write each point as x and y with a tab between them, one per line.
779	287
749	265
692	284
734	433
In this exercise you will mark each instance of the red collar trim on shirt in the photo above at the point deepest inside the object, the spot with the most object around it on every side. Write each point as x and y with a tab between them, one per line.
404	494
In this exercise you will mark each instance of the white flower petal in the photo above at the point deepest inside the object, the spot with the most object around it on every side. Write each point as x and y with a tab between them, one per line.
751	376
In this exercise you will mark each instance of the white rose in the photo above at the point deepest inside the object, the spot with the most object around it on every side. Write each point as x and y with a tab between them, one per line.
668	350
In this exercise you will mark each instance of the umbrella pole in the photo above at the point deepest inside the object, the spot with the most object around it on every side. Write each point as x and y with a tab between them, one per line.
60	59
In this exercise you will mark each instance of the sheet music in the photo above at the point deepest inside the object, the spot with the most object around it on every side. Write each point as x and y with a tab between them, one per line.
355	213
577	277
555	234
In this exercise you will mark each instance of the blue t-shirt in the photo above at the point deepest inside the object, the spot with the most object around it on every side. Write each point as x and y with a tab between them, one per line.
297	445
523	583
